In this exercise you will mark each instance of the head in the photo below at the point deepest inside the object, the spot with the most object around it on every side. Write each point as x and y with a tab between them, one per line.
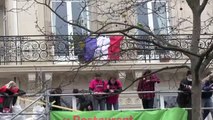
147	72
98	76
12	86
112	79
189	75
57	91
75	91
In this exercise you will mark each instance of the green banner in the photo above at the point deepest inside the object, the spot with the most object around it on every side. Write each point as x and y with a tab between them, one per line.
166	114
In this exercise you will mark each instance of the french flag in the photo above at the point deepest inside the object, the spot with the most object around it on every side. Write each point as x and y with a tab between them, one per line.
102	48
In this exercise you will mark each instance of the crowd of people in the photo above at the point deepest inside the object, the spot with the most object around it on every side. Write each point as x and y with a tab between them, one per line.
184	98
103	94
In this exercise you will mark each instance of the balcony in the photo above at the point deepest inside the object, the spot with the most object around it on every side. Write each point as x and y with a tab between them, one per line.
19	50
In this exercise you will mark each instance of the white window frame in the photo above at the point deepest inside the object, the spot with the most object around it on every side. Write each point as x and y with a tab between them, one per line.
70	27
151	26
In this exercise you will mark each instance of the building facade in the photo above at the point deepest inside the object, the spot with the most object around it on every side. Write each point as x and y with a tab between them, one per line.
39	48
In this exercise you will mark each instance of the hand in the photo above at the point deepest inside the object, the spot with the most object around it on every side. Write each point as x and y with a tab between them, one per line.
89	107
98	92
211	85
148	80
10	84
189	86
112	91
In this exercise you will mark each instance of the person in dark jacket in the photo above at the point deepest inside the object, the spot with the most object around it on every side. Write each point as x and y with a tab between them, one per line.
206	96
56	100
84	101
147	83
184	97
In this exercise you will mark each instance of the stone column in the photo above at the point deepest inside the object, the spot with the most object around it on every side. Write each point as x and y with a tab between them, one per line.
31	82
122	77
12	17
48	80
137	75
47	84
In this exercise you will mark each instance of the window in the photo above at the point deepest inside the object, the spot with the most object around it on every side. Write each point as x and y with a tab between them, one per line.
73	12
152	16
2	21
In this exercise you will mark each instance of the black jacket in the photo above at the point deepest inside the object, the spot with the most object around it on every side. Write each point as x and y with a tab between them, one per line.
56	100
184	97
207	88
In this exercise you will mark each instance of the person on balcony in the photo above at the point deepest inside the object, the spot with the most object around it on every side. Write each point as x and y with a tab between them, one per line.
206	96
184	97
97	86
147	83
114	87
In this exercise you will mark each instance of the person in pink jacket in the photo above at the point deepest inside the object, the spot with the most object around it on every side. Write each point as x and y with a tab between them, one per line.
97	86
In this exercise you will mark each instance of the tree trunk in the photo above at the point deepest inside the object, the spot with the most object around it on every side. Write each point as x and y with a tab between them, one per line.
196	96
196	82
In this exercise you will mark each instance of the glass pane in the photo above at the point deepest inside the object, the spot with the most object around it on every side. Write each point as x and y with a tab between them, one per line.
159	17
61	44
78	17
1	21
160	25
61	27
142	13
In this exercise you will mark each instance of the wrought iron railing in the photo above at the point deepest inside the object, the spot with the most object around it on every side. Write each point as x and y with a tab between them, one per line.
59	48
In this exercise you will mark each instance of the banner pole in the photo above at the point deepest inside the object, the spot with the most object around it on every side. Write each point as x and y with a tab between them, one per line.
47	104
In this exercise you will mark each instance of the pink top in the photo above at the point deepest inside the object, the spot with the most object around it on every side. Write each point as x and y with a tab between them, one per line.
114	98
97	85
4	89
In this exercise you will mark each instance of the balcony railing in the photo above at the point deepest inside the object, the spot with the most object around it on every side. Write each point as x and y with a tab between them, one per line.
56	48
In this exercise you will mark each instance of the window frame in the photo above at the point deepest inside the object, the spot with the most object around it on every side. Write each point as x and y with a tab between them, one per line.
4	20
71	50
150	15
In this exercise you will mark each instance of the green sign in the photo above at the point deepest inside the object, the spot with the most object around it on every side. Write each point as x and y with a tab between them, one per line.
166	114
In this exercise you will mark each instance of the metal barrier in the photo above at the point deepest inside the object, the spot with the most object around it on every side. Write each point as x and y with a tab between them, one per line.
160	97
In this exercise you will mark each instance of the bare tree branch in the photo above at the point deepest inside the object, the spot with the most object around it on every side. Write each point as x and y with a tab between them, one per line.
157	71
190	3
63	18
163	45
203	5
173	48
